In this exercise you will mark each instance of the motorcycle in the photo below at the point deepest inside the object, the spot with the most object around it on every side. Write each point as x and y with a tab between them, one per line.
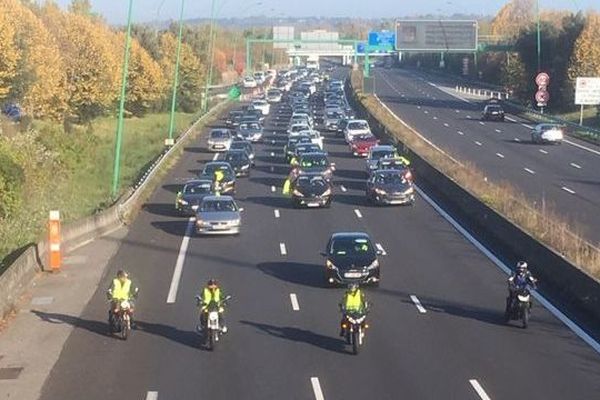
120	317
212	329
355	327
520	307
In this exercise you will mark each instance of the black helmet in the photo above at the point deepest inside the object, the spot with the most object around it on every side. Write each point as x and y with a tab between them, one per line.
353	287
122	274
212	282
521	266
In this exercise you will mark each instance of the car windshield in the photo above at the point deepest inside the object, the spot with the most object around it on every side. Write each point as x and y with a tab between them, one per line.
333	115
390	179
299	128
379	154
210	169
220	135
218	205
197	188
236	157
314	181
358	125
240	145
314	161
365	138
494	108
351	247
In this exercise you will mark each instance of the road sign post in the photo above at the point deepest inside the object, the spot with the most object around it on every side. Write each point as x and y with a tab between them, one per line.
542	96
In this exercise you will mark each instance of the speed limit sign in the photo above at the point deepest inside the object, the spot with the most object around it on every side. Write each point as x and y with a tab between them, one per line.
542	79
542	96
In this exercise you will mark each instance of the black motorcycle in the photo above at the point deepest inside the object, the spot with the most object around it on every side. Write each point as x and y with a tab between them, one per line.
354	328
519	307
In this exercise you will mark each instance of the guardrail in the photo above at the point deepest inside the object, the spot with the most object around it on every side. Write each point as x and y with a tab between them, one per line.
490	94
19	275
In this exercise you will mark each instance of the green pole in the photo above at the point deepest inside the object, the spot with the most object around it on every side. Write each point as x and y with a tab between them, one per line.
211	53
248	57
176	76
367	65
539	39
119	138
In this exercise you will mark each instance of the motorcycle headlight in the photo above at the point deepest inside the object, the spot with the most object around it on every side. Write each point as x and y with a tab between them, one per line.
298	193
374	265
330	265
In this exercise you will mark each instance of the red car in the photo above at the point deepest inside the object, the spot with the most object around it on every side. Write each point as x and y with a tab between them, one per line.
361	144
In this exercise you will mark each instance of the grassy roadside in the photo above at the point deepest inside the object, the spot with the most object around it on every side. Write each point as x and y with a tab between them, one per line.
72	171
546	225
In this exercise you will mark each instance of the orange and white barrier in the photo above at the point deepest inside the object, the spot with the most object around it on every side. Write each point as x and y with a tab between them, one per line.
54	240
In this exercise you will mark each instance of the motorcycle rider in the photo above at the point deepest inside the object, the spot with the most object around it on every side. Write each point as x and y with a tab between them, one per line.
212	292
519	279
217	179
121	289
354	300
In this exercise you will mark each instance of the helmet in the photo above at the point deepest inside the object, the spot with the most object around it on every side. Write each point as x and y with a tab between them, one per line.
353	287
521	266
122	274
212	282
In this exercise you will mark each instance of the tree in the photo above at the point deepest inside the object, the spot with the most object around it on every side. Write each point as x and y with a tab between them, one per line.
9	54
513	17
586	56
81	7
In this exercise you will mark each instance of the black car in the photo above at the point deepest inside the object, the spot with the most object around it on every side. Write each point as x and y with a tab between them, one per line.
316	162
351	258
302	148
311	190
256	114
240	144
493	111
191	195
239	161
391	187
290	147
234	117
228	183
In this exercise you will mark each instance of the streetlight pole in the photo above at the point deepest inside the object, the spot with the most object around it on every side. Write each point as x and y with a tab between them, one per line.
119	137
539	40
211	53
176	77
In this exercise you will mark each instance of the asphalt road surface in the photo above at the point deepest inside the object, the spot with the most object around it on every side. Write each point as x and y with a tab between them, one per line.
283	323
563	178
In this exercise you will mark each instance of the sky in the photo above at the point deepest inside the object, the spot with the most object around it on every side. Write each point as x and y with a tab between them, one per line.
115	11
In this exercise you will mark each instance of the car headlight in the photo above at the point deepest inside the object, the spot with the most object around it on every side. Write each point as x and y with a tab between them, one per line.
374	265
244	167
330	265
410	190
327	193
183	202
298	193
236	222
380	191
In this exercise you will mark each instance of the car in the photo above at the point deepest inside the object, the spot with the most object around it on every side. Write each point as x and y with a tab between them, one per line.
233	118
350	257
218	215
219	140
332	119
261	105
398	164
239	161
191	195
547	133
297	119
228	183
315	137
303	148
316	162
390	186
492	112
251	131
256	115
290	148
356	127
311	190
378	152
342	125
362	144
249	82
274	95
260	77
241	144
295	129
303	115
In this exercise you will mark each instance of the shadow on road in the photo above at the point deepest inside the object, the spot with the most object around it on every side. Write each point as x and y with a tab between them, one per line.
293	272
164	209
328	343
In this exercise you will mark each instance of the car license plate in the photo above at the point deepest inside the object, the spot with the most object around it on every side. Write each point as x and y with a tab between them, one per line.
195	208
313	204
353	275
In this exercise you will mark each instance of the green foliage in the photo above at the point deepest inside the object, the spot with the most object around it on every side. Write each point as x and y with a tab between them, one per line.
11	184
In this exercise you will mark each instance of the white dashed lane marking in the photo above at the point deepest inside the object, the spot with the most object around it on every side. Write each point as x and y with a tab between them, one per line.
566	189
282	249
273	189
461	133
532	172
575	165
358	213
418	304
500	155
478	143
343	188
543	151
294	300
482	394
152	396
316	386
381	249
277	214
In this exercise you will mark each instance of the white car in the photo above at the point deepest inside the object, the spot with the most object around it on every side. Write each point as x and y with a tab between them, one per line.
219	140
547	133
304	115
250	82
274	96
356	127
315	137
295	129
261	105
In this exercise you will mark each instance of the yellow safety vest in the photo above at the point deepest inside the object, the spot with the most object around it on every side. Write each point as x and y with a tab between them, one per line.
120	291
219	175
209	296
354	302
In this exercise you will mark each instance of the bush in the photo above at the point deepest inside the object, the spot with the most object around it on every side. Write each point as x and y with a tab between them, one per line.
11	185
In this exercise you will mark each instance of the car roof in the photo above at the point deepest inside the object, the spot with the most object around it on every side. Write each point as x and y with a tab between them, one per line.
218	163
383	147
209	198
342	235
197	181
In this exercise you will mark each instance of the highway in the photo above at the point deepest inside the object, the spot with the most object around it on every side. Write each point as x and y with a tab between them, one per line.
563	178
283	323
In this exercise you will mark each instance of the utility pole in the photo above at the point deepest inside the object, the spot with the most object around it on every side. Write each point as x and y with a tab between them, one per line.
539	39
170	141
211	53
119	138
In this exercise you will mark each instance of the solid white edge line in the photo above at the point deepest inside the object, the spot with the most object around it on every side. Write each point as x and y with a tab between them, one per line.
172	296
316	386
555	311
152	396
500	155
277	214
566	189
418	304
282	249
511	119
294	300
532	172
358	214
215	157
581	147
381	249
527	126
575	165
477	387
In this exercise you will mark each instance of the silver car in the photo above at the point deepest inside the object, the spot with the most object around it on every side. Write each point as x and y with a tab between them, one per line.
547	133
218	215
219	140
